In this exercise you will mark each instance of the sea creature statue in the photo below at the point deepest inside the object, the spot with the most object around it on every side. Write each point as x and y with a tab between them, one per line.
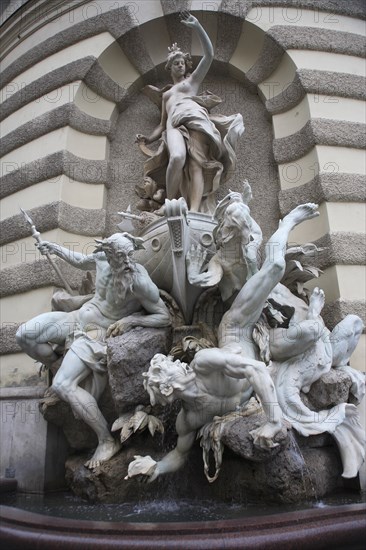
295	371
237	238
299	349
218	380
125	297
197	148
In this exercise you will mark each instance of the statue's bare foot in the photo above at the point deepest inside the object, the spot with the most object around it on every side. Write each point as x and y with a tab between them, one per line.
302	213
316	303
263	436
103	452
160	211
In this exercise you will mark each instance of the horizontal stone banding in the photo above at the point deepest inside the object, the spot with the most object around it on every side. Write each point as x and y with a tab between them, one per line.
319	131
76	70
335	187
229	29
105	86
319	39
117	22
134	47
267	62
334	312
355	8
52	166
66	115
341	248
8	343
58	214
37	274
317	82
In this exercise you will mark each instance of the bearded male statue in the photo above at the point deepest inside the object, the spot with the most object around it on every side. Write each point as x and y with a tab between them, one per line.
125	297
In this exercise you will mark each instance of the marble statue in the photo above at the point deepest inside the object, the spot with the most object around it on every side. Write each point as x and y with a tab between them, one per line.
237	239
197	148
220	379
250	348
125	297
300	355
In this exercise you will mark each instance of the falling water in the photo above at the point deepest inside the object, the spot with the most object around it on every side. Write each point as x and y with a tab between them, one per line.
306	477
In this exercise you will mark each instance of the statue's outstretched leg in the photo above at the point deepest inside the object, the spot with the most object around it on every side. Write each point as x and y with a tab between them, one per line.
248	305
344	339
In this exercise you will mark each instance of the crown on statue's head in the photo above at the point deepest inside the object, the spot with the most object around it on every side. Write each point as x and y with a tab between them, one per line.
174	52
174	48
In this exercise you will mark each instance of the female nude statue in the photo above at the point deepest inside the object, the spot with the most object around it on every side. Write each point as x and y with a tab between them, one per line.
198	148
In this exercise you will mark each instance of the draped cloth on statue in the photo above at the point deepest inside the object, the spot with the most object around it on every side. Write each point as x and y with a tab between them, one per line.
215	154
93	352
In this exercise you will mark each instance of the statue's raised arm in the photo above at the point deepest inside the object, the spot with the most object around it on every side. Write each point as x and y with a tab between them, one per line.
208	52
197	149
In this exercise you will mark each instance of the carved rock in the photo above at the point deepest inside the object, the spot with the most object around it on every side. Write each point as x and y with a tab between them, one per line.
78	434
331	389
129	356
235	436
295	474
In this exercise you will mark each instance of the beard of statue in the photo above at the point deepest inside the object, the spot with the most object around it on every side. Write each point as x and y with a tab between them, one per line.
122	281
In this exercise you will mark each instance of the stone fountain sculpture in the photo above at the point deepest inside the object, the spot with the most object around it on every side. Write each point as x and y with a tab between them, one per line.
238	342
125	297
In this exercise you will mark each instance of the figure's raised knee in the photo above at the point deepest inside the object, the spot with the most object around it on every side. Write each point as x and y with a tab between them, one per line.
177	159
23	336
20	335
62	388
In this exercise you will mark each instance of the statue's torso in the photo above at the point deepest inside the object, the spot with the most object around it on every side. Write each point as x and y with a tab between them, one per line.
107	306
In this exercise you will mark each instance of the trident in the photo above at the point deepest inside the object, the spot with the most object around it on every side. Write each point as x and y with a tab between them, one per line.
36	235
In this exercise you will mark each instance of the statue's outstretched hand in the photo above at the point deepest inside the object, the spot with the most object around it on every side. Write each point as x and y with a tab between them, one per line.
195	259
263	436
46	247
144	468
118	328
188	19
141	139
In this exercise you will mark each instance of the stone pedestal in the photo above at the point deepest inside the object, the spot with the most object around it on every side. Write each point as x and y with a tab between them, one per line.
33	451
